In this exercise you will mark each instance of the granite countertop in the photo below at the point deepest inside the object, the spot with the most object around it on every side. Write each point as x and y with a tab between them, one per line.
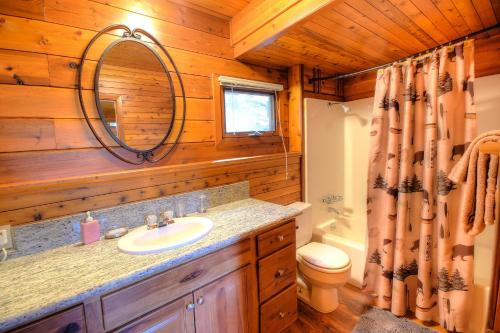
37	285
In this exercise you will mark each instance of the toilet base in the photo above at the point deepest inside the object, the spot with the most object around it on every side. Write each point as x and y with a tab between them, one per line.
324	300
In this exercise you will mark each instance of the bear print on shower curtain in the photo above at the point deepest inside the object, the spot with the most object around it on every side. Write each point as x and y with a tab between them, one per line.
419	258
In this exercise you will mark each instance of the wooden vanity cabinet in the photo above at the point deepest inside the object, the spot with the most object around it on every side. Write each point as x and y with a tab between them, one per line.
242	288
224	305
121	306
277	274
219	307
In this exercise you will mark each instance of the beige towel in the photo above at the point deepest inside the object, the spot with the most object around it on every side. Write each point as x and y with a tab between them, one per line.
491	187
497	197
480	200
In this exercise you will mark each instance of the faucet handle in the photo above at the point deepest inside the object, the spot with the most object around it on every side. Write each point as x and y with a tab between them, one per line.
151	221
169	214
166	218
337	198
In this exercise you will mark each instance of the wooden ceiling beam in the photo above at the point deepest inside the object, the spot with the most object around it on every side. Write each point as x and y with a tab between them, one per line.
263	21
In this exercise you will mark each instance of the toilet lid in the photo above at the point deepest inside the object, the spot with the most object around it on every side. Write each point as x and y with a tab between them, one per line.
323	255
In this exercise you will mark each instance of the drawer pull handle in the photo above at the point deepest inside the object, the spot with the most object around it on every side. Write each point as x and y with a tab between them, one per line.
191	276
200	300
279	273
282	315
72	328
280	238
190	307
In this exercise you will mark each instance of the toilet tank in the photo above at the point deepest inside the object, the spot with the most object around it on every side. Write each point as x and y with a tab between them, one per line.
303	222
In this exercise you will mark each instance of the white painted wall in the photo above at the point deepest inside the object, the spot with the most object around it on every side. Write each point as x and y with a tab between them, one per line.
336	154
324	150
336	150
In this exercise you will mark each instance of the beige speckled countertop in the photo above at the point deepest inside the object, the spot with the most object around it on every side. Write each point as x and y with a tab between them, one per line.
37	285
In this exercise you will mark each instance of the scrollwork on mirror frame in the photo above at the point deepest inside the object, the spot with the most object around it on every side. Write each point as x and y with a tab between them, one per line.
161	149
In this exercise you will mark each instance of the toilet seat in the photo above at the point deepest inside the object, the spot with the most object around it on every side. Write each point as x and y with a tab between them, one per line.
323	258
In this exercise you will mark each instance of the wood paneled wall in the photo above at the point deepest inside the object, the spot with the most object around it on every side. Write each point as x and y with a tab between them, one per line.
328	89
50	163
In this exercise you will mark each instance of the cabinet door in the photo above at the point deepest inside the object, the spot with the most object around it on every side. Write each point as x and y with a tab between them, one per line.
175	317
223	305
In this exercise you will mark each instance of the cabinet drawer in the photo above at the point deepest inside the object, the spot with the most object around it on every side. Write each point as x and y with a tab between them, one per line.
173	317
131	302
279	312
68	321
275	239
276	272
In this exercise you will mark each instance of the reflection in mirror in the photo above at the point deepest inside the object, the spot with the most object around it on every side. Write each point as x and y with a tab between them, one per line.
135	95
109	110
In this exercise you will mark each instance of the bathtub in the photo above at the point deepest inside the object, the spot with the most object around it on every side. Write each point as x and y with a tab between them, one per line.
355	250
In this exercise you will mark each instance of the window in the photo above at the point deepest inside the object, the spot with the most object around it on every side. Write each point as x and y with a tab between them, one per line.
248	112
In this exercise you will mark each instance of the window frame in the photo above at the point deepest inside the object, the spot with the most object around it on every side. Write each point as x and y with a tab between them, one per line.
230	141
274	111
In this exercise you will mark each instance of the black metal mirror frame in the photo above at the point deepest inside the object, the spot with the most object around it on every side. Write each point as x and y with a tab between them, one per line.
130	35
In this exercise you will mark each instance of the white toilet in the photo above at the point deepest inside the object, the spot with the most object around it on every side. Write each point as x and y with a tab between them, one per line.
321	269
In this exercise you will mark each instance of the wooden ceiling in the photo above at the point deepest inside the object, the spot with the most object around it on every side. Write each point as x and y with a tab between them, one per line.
352	35
221	8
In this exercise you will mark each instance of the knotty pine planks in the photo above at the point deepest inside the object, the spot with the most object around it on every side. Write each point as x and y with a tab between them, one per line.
51	165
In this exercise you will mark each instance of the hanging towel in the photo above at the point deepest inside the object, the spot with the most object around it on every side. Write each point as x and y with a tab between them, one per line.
479	173
491	188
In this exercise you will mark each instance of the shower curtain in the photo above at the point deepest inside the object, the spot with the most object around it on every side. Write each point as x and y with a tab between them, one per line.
419	258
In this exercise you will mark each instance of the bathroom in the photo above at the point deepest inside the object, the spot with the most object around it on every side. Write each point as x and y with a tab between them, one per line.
202	166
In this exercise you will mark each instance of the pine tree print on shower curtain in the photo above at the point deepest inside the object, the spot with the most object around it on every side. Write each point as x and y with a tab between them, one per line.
419	259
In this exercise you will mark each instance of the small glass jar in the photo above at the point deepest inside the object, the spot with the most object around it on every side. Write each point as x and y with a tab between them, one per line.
180	208
203	203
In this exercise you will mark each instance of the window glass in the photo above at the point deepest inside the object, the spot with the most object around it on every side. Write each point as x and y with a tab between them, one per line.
248	111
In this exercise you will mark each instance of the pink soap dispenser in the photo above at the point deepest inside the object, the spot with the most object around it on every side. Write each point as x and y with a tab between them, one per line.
89	230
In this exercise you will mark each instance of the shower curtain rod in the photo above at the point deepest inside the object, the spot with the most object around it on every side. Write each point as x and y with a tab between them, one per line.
455	41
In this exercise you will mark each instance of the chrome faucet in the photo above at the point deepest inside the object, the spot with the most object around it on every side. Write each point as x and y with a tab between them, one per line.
152	221
333	210
166	218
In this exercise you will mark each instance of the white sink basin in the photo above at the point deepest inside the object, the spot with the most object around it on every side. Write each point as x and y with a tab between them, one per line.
184	231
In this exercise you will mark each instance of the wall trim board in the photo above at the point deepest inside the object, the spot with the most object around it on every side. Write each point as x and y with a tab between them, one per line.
31	201
140	173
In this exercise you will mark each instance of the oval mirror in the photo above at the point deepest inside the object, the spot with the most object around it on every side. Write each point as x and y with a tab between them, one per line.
134	95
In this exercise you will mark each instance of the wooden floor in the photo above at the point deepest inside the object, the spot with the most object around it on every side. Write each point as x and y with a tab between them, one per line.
353	303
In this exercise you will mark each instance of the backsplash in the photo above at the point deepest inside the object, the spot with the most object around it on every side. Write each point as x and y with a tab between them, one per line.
49	234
